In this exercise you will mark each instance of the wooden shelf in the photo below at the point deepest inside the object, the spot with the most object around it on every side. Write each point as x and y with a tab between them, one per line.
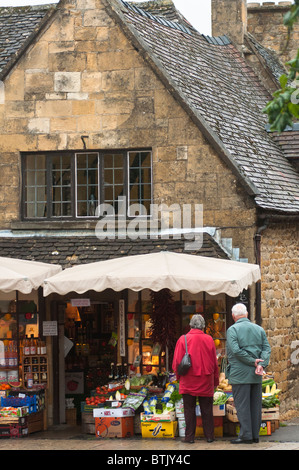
38	366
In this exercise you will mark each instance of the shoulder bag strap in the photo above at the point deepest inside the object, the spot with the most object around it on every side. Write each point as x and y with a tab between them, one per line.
186	344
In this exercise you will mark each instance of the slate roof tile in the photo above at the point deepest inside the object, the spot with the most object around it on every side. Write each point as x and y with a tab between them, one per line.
17	25
88	249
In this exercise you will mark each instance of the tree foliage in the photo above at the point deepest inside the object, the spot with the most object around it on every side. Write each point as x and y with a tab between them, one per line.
284	108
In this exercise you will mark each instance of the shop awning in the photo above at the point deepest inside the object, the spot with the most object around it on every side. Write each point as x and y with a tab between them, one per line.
24	276
156	271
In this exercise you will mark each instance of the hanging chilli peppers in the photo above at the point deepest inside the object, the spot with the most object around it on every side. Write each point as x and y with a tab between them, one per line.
163	328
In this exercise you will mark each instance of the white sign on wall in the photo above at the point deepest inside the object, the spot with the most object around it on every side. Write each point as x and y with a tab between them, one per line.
50	328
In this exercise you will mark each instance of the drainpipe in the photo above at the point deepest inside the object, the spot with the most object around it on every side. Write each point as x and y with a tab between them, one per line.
258	304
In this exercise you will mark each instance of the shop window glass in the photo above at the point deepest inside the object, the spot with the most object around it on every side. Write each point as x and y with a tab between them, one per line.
18	321
216	321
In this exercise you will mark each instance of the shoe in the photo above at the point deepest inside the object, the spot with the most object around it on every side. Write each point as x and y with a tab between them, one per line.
255	440
210	440
188	442
241	441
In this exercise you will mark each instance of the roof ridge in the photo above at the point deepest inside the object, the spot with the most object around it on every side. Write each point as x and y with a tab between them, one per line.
222	40
158	19
27	8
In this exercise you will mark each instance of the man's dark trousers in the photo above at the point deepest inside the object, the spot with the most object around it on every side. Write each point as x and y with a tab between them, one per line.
248	403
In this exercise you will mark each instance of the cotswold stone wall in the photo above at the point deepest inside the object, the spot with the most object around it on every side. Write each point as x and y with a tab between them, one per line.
82	76
280	306
265	23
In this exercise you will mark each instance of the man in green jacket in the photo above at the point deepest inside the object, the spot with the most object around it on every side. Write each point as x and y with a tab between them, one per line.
248	351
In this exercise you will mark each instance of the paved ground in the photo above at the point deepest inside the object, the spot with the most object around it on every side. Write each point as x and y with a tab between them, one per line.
67	438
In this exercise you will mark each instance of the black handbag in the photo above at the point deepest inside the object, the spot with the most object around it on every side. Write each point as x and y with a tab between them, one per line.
185	363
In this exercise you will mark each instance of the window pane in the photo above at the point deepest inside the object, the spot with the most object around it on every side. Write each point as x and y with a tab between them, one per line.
61	185
140	180
35	186
87	183
113	172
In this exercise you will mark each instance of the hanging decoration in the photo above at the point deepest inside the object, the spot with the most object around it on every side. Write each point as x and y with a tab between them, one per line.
163	323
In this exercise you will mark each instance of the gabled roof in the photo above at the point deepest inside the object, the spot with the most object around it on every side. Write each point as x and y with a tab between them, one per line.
269	57
209	78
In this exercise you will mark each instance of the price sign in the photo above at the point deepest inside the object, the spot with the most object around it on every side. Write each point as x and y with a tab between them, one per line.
50	328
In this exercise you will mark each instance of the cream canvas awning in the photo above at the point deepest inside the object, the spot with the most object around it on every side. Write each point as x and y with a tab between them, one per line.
156	271
24	276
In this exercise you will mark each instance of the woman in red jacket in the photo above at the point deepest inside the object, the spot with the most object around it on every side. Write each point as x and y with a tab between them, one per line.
201	379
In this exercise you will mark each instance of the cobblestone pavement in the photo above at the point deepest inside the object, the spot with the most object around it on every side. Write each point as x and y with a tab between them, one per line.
68	438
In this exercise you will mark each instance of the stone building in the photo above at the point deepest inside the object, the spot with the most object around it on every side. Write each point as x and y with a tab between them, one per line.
265	23
93	89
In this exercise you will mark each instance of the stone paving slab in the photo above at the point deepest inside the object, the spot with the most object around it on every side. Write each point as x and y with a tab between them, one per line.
136	445
68	438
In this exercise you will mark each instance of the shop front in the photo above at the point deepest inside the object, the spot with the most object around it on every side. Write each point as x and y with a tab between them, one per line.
24	366
110	335
74	345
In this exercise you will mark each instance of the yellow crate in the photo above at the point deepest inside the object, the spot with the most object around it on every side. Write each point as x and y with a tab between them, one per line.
218	427
265	429
154	429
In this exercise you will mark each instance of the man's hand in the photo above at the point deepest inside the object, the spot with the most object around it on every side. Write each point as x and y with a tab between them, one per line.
258	367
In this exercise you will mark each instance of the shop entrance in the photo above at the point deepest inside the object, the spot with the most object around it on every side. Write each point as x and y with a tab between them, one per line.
84	349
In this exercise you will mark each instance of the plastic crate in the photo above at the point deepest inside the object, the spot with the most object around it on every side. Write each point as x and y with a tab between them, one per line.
13	430
17	402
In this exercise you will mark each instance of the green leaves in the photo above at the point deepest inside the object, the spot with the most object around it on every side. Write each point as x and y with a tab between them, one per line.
292	15
284	108
281	110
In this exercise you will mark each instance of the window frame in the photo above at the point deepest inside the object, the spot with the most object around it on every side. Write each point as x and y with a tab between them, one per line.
148	215
75	200
73	183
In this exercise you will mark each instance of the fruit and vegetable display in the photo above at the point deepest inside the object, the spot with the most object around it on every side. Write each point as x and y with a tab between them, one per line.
220	398
131	391
9	385
270	393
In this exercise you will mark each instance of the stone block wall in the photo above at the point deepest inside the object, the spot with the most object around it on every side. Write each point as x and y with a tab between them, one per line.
280	306
265	23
